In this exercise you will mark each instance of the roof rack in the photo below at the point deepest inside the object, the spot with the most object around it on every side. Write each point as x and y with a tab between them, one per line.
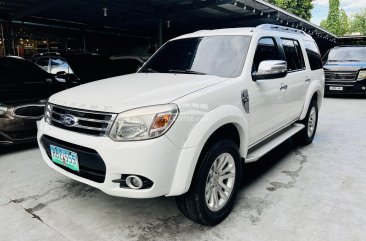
349	45
280	28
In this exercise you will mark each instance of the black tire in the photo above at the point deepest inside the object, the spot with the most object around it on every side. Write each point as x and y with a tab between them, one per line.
303	138
193	203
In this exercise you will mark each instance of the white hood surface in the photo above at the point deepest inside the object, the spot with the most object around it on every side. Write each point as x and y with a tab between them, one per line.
126	92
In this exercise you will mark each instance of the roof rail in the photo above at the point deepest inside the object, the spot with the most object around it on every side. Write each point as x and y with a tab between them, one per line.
280	28
349	45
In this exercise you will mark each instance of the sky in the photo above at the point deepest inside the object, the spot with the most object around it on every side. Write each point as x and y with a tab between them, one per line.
320	10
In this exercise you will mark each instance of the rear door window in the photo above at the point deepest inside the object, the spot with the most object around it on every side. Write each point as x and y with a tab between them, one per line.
293	54
314	56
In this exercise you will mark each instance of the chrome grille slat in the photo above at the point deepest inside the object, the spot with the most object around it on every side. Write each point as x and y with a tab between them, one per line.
100	126
85	119
82	126
340	76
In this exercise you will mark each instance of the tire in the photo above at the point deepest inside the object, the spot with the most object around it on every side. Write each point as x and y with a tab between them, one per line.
306	135
194	204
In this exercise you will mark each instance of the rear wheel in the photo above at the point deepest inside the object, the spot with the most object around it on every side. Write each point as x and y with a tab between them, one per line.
214	186
306	136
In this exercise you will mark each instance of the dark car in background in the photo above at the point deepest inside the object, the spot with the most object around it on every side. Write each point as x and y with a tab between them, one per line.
86	67
24	89
345	70
129	64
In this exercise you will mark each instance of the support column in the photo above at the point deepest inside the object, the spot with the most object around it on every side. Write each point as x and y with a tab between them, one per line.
160	36
84	43
2	38
162	21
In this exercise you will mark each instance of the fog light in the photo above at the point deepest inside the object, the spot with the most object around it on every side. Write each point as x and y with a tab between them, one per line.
363	88
134	182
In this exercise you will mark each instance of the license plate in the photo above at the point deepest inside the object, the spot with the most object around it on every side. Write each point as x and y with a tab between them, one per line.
336	88
64	157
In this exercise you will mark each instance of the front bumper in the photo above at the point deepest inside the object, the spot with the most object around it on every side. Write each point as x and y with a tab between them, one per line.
358	87
17	131
155	159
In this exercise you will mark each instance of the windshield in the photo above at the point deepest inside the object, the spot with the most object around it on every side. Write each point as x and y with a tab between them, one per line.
214	55
347	54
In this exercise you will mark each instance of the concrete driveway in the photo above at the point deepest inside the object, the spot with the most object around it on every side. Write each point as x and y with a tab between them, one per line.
316	192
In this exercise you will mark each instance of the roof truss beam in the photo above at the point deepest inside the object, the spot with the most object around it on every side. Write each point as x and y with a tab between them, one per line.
39	8
195	5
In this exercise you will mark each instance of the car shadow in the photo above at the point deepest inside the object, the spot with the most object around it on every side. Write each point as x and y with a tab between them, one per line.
345	96
255	170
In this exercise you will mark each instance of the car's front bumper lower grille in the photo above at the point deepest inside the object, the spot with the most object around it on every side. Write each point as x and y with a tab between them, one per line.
91	164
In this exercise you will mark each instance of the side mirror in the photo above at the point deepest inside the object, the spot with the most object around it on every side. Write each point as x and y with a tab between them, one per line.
271	69
60	73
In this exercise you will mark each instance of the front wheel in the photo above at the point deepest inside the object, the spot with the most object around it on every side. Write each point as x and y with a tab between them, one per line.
214	186
306	136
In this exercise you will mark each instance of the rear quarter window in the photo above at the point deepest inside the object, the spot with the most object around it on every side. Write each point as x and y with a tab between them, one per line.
314	55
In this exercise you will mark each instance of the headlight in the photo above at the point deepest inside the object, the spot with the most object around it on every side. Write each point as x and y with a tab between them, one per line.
361	75
47	113
3	109
144	123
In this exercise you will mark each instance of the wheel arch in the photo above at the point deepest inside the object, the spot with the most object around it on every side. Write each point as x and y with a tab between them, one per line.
222	122
315	92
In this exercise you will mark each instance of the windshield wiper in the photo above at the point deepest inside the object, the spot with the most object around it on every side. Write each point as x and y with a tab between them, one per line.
187	71
149	70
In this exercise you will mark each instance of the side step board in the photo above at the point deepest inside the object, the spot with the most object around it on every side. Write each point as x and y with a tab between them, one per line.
261	149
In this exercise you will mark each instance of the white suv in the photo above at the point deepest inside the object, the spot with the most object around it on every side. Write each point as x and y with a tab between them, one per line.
185	124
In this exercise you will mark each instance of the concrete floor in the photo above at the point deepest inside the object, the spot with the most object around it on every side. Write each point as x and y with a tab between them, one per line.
316	192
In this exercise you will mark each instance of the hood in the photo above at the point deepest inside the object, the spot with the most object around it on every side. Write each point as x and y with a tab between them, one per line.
344	66
126	92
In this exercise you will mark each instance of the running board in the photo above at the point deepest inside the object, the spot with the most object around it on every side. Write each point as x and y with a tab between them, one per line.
261	149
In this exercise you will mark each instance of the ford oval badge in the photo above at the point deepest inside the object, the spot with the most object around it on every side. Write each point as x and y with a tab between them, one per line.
68	120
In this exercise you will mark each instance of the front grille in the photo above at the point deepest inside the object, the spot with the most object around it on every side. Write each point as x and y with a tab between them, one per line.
91	164
30	111
88	122
340	76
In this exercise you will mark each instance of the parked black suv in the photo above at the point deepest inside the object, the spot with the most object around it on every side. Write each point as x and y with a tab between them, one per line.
24	89
345	70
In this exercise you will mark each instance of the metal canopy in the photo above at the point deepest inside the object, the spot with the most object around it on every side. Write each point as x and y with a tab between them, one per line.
151	17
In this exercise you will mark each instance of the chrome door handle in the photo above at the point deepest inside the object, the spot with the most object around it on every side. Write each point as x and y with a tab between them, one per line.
283	87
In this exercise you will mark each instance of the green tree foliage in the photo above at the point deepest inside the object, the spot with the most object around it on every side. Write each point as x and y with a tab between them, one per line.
344	23
301	8
358	22
334	17
324	24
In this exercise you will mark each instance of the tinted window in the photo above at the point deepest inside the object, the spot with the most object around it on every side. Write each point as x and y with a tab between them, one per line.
344	54
266	50
214	55
293	54
43	63
314	56
59	65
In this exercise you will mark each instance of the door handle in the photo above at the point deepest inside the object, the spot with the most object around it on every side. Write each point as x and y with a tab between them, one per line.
308	80
283	87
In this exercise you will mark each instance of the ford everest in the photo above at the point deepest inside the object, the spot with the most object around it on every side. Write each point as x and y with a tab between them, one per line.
203	105
345	70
